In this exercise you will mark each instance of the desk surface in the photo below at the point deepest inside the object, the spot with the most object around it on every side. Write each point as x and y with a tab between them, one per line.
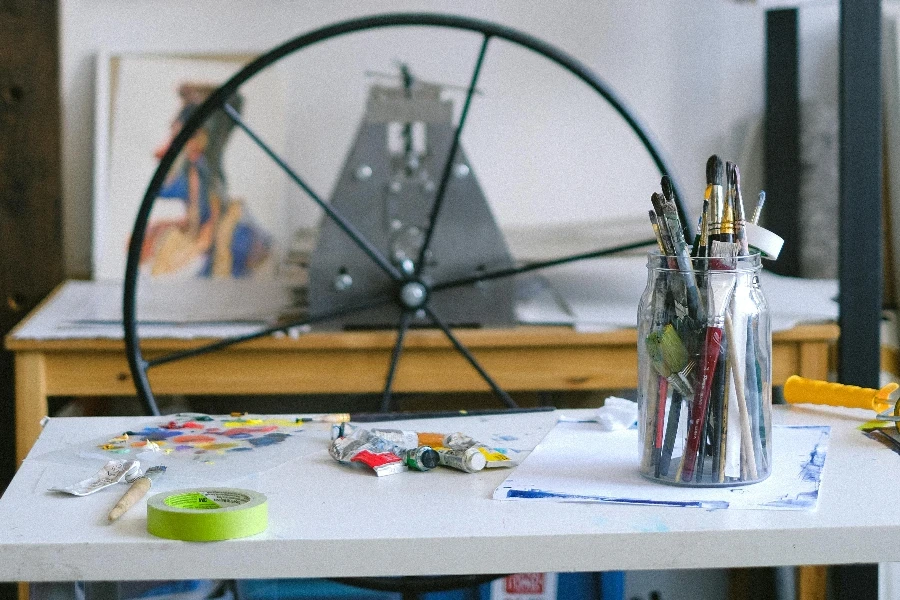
329	520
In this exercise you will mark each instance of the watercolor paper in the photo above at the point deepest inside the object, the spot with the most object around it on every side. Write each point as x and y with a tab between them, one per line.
577	462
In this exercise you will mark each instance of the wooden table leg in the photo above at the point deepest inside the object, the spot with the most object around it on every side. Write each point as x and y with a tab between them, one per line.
812	582
814	359
31	400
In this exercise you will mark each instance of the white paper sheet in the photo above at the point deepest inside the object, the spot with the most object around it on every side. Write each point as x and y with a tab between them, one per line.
603	294
186	309
577	462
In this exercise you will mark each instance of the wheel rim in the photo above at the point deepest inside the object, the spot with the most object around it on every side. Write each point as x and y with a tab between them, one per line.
218	101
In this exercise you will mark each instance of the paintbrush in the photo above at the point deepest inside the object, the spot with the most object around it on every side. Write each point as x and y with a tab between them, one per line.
668	190
759	206
659	241
715	193
720	288
658	201
740	220
674	361
139	488
665	458
683	258
747	451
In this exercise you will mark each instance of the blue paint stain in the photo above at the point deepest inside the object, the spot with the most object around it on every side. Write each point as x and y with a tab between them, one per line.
656	526
157	433
504	438
811	470
241	449
537	494
239	436
269	439
803	500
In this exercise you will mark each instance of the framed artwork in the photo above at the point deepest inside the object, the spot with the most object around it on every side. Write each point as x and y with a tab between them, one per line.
221	212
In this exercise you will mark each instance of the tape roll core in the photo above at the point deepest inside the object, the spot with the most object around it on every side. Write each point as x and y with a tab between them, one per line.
207	514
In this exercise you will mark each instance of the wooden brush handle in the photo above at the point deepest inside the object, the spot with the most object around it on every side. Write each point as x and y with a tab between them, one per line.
137	491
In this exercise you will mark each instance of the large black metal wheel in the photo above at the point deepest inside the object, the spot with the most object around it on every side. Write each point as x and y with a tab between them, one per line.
411	288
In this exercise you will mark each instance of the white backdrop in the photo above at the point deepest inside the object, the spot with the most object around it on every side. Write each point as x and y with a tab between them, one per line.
691	72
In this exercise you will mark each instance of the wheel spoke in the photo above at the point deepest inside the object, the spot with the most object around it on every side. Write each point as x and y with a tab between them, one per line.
283	327
346	226
455	283
387	397
504	397
448	165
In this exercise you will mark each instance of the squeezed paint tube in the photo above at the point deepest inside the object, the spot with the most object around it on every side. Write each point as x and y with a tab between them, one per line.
359	447
469	460
420	458
111	473
403	438
493	457
411	440
383	463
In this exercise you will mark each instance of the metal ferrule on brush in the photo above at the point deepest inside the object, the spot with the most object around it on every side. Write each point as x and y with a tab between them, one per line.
681	380
716	209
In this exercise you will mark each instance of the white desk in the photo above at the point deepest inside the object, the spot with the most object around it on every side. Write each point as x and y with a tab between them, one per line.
327	520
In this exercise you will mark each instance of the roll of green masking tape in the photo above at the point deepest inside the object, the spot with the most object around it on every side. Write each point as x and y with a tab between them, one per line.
207	514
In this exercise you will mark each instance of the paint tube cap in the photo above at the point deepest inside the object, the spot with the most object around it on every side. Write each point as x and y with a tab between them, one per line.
768	243
474	459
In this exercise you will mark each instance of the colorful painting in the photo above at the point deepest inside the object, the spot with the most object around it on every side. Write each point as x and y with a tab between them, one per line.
220	211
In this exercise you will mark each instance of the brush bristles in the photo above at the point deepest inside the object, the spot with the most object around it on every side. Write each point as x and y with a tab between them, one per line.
667	188
715	171
658	201
674	354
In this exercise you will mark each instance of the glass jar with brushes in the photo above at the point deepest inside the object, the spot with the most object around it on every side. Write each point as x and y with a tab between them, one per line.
704	372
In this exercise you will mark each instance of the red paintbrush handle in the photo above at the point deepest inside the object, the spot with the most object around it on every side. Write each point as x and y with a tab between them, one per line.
697	418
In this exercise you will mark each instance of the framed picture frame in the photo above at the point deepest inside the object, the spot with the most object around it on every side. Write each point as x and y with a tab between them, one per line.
222	210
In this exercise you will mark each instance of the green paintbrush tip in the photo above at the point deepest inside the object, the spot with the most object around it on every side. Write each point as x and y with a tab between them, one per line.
674	354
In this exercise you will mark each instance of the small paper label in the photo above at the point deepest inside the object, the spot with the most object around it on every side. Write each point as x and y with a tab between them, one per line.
525	586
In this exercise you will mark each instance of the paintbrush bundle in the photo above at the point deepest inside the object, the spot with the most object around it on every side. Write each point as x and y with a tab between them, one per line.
704	348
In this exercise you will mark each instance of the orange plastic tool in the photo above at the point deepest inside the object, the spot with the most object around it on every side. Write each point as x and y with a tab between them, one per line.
799	390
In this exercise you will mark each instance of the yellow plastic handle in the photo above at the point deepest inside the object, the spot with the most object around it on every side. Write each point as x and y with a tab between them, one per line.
798	390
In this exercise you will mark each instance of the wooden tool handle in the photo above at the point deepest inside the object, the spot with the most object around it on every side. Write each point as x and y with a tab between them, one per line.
137	490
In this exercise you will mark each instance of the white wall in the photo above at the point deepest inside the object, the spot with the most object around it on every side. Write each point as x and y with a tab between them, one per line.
691	72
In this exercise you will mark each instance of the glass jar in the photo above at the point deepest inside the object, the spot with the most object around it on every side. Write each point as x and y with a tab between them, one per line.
704	373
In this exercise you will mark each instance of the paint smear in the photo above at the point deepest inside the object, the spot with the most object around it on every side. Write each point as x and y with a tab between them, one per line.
194	439
218	446
533	494
268	439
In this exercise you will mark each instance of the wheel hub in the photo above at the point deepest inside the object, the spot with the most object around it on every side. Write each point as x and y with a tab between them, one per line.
413	295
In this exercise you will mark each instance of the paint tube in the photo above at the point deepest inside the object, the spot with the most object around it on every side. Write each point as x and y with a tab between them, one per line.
423	458
469	460
493	457
383	463
403	438
420	458
111	473
362	447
